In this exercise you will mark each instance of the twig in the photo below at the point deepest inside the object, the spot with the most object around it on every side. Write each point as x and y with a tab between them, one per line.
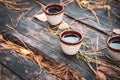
18	34
118	16
39	3
11	20
85	45
4	48
63	72
52	31
86	60
95	4
97	50
94	14
66	2
79	3
21	16
38	62
101	63
12	5
17	9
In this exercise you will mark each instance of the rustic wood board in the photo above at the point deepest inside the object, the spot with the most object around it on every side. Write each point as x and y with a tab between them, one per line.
34	34
22	67
6	74
51	48
39	38
74	11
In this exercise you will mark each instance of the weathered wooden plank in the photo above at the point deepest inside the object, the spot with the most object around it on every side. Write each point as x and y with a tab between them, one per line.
39	38
7	17
75	12
51	48
48	43
25	69
6	74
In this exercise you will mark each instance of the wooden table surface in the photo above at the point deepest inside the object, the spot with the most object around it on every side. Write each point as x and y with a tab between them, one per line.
35	34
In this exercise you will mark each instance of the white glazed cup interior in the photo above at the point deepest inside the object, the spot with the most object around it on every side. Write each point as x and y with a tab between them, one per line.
114	53
70	48
60	7
54	18
71	31
110	39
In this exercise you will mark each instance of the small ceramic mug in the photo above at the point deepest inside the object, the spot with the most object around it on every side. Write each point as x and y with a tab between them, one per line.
54	13
113	44
70	41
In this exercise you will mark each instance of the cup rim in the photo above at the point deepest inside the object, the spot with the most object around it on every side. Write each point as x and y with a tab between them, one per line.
53	5
70	31
110	39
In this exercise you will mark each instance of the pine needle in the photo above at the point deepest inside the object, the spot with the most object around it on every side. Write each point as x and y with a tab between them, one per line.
10	27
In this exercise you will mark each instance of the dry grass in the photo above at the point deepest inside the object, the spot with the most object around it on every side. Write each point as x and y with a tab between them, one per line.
96	52
14	25
11	4
92	5
88	4
59	70
16	5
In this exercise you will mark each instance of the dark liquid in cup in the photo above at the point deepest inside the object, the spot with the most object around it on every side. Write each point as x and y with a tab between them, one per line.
71	38
115	44
53	9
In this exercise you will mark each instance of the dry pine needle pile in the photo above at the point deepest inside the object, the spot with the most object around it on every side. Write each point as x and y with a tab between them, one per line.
59	70
94	4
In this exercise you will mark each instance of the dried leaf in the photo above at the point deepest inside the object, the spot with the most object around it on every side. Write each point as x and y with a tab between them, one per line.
41	17
60	71
63	26
107	71
101	75
117	31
